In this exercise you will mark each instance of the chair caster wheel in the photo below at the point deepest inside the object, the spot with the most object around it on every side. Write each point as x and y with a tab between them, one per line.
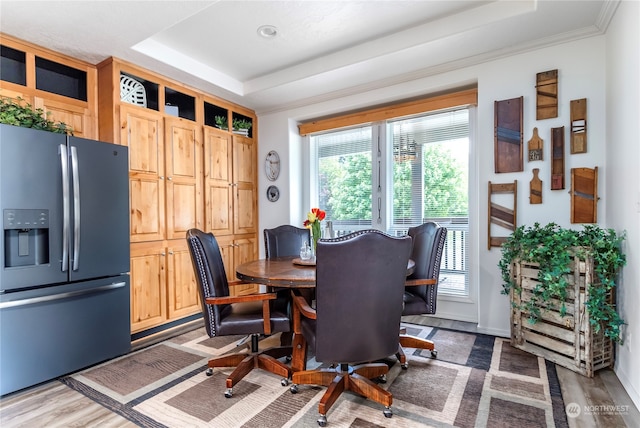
322	421
228	393
382	378
387	412
284	382
404	366
294	389
434	353
209	372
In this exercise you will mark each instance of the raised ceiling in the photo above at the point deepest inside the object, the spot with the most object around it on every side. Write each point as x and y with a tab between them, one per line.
323	49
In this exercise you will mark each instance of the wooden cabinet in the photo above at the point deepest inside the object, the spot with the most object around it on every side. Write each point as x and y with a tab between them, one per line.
63	87
183	174
230	198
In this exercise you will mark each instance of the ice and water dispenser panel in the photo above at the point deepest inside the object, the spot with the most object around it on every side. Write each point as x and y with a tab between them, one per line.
26	237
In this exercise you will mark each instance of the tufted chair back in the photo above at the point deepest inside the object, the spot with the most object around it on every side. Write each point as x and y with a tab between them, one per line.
359	285
285	240
428	246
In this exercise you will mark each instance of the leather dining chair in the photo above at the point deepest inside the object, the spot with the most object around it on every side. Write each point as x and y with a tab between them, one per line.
225	315
359	286
428	246
285	240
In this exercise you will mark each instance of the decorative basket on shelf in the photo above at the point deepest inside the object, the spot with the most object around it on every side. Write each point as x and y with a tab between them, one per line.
132	91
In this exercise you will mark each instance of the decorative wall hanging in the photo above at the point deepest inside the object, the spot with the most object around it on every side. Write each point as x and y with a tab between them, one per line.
557	158
535	188
584	195
508	139
500	215
272	165
273	193
534	146
547	94
579	126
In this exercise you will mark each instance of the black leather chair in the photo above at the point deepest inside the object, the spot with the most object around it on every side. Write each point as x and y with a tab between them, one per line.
360	281
226	315
285	240
428	245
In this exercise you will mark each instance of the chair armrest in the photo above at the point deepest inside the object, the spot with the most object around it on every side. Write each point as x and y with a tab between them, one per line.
303	306
225	300
264	297
415	282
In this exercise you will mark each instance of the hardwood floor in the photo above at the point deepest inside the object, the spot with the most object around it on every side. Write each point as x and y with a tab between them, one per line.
55	405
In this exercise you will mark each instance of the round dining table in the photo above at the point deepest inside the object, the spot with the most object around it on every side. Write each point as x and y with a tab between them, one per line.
284	273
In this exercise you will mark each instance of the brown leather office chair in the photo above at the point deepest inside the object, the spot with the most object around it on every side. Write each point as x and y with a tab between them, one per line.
225	315
428	245
285	240
360	281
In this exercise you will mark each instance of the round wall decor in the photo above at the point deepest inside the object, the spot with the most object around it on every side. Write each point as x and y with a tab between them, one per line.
272	165
273	193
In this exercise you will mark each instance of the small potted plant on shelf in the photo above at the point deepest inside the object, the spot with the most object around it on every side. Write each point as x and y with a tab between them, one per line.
241	126
221	122
561	284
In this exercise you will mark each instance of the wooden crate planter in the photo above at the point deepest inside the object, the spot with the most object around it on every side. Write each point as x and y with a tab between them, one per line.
568	341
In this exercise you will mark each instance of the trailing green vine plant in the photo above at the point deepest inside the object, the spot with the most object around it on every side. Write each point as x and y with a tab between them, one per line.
17	112
553	248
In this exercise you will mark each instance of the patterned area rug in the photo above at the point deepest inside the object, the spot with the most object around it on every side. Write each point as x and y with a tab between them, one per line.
475	381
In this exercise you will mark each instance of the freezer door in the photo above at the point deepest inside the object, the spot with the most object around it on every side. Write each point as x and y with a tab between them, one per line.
49	332
99	244
31	201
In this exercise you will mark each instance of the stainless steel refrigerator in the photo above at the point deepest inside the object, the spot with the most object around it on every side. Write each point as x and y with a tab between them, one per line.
64	282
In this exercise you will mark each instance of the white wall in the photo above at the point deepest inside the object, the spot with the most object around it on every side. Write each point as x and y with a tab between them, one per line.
623	185
582	67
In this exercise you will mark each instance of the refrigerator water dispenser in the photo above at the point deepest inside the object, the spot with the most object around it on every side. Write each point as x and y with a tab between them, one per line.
26	237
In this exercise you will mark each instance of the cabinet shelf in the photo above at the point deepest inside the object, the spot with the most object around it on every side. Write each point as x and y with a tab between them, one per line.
179	104
13	65
61	79
150	88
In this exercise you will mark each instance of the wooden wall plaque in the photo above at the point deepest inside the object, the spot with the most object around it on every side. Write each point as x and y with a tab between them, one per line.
500	215
535	188
579	126
508	139
584	195
534	146
547	94
557	158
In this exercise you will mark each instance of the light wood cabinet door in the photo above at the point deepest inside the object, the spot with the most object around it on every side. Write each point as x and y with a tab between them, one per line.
225	243
141	131
218	178
183	154
244	250
182	289
244	184
74	116
148	286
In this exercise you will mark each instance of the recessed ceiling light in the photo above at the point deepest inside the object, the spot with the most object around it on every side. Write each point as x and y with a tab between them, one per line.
267	31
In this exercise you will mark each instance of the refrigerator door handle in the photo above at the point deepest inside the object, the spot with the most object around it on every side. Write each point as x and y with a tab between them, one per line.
64	164
48	298
76	207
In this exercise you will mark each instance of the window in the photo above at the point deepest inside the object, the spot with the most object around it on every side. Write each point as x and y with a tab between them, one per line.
419	172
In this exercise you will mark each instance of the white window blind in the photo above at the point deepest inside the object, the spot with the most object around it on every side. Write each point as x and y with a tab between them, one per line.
344	176
430	183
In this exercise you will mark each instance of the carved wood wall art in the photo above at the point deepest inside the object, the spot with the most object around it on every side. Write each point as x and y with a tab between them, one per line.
534	146
584	195
557	158
535	188
508	139
547	94
579	126
500	215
